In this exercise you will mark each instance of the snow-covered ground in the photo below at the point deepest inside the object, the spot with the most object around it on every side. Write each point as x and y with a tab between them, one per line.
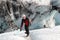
46	34
38	34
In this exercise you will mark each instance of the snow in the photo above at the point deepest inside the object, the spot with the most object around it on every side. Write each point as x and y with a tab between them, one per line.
12	38
40	2
47	34
38	34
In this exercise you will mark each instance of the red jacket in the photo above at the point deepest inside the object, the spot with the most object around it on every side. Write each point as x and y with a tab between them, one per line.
26	21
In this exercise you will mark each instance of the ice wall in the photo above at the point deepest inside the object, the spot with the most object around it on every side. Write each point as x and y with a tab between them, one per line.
39	10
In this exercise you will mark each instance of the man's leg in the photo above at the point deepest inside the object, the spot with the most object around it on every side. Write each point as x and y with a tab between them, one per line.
27	30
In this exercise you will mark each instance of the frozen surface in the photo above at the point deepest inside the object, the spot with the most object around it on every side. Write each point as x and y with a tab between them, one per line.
46	34
39	34
57	18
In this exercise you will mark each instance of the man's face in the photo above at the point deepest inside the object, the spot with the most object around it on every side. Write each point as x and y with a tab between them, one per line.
24	17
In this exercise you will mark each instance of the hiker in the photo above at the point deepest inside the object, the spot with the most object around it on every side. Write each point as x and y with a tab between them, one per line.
25	22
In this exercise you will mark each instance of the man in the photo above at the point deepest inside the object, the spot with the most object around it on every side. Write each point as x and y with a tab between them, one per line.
25	22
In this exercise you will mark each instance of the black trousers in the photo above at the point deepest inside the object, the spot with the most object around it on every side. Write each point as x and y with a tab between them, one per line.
27	30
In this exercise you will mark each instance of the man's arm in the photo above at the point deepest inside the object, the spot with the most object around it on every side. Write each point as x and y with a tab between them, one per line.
29	21
21	25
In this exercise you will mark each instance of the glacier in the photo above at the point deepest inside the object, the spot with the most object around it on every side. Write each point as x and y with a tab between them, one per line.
50	19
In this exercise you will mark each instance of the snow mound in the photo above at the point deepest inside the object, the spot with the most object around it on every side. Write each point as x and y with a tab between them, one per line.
16	35
39	34
8	37
46	34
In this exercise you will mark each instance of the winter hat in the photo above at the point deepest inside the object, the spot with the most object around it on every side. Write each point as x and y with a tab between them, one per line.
23	15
